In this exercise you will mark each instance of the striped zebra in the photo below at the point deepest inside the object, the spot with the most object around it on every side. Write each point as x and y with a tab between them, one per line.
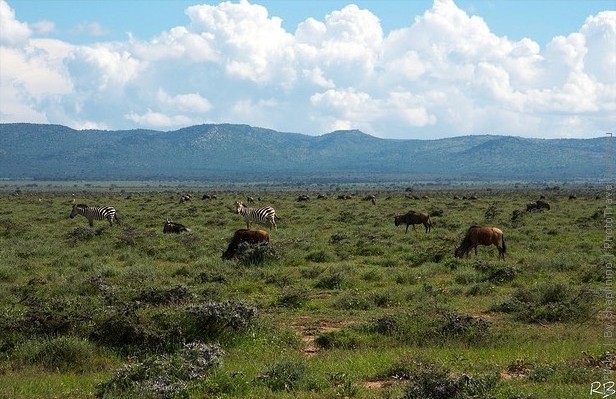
95	213
262	215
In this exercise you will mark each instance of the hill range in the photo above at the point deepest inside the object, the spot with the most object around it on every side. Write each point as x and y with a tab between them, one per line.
241	153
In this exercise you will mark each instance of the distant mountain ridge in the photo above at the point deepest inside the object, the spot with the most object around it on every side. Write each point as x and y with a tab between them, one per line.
229	152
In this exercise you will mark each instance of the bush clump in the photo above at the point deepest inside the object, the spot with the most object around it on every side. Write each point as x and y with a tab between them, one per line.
497	274
283	376
163	296
211	320
464	327
162	376
255	254
551	302
427	381
293	297
50	317
80	234
343	339
121	327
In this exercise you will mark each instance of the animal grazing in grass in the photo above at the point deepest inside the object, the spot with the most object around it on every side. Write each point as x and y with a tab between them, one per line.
263	215
185	198
477	235
413	218
538	205
95	213
245	236
172	227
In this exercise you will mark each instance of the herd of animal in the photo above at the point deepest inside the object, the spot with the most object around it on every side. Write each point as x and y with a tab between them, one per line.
266	215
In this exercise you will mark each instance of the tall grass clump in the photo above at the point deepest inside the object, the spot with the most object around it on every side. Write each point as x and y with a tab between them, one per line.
59	354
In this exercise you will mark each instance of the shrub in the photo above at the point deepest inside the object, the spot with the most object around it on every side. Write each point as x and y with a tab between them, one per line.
320	256
428	381
550	301
51	317
162	296
211	320
491	212
121	327
352	301
337	238
386	325
483	288
330	280
293	297
283	376
495	273
162	376
463	327
254	254
80	234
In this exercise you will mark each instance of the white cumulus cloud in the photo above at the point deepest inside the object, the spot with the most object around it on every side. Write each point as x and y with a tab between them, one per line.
444	74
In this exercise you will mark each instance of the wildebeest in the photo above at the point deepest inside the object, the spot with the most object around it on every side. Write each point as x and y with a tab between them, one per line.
477	235
541	204
413	218
538	205
185	198
172	227
245	235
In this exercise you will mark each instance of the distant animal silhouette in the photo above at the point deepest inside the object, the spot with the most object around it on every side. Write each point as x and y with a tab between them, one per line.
245	236
413	218
477	235
538	205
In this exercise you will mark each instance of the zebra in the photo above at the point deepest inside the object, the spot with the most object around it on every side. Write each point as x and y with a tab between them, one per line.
95	213
265	214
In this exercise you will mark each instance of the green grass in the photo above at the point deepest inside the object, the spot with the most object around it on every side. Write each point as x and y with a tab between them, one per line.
342	300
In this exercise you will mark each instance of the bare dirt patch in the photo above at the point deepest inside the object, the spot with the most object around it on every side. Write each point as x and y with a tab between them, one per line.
310	329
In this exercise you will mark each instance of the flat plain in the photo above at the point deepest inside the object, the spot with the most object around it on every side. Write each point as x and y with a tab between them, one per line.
341	304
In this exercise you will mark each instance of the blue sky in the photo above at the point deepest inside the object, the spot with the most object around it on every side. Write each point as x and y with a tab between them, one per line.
540	20
392	68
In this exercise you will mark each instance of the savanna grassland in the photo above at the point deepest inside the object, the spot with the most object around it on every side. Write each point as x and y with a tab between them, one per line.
342	304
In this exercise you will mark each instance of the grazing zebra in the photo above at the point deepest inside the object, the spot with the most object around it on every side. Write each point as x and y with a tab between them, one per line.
95	213
265	214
